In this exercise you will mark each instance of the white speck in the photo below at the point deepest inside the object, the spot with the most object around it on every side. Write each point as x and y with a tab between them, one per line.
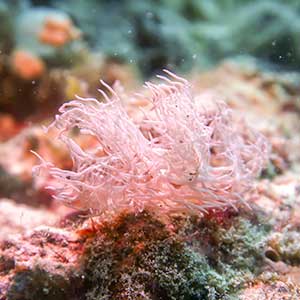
129	31
33	81
274	43
149	14
194	56
280	57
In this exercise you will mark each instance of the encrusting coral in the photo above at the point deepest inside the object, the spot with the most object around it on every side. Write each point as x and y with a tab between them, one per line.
188	153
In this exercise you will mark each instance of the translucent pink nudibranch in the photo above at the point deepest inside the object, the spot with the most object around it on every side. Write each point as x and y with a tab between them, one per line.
188	153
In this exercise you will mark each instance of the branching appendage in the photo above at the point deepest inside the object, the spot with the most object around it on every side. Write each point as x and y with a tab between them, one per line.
188	153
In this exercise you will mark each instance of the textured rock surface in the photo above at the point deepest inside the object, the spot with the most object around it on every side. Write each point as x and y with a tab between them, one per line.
249	254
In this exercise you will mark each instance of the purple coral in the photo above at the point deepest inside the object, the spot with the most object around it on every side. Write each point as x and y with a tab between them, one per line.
188	153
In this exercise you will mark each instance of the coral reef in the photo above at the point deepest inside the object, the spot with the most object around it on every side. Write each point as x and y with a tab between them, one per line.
41	89
245	254
136	256
34	97
46	33
144	34
205	32
196	157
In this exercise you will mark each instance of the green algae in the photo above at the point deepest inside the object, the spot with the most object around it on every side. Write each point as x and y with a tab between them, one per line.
39	284
139	258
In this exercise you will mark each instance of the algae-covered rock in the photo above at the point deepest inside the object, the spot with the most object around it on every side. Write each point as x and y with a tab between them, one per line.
40	263
38	284
138	257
